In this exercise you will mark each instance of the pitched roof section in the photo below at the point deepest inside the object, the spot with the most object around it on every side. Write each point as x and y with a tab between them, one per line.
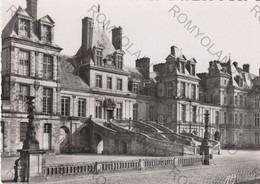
69	75
9	30
47	19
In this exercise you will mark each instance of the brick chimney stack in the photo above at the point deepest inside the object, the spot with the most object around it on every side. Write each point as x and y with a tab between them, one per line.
117	34
173	50
87	36
32	8
246	68
143	66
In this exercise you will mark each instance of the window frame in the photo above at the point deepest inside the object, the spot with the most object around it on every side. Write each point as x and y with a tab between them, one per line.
47	101
47	67
65	106
82	107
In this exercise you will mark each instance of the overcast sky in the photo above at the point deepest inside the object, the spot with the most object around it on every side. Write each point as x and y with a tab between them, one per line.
150	27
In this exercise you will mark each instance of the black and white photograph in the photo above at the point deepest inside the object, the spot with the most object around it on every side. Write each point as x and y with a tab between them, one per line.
130	91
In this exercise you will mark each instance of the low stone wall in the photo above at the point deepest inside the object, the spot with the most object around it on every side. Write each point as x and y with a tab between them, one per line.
71	169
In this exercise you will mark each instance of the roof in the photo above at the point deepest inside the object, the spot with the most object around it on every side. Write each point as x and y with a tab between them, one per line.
100	38
69	74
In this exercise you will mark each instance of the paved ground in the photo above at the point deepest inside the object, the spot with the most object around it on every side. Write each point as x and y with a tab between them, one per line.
230	167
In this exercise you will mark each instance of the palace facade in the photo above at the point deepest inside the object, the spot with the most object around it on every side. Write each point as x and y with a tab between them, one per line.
95	83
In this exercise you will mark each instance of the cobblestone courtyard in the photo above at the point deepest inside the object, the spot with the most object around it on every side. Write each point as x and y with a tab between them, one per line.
229	167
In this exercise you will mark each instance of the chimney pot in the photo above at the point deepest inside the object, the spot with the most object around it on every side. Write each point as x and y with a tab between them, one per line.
246	68
117	37
32	8
173	48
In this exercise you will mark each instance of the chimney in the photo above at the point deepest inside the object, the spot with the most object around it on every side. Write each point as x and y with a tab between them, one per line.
211	64
173	50
143	66
87	36
235	64
246	68
158	68
32	8
117	37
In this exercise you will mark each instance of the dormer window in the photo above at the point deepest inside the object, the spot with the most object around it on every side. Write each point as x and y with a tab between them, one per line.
46	33
193	70
135	88
99	57
119	62
24	28
182	67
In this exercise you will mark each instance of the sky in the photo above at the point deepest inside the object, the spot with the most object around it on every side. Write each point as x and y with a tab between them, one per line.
151	27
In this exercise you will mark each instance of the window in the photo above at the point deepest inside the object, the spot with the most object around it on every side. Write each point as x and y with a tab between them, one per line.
193	92
99	57
47	128
245	101
183	113
182	67
256	138
225	100
182	90
245	119
99	81
241	119
193	114
257	120
24	28
23	92
47	67
119	84
225	117
24	63
46	33
236	120
65	106
169	109
193	70
120	62
257	102
119	111
135	112
82	107
47	100
217	117
109	82
236	100
169	86
241	100
23	131
135	88
151	112
98	109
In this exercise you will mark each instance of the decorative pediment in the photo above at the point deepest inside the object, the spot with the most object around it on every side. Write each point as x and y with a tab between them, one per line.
22	12
109	104
47	20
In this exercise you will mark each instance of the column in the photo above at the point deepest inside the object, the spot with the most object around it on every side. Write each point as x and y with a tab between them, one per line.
32	64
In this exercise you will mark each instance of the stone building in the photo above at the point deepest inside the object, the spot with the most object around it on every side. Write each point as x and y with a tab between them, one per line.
96	84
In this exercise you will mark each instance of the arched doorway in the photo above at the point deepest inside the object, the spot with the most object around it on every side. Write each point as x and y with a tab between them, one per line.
64	139
99	146
122	147
217	136
84	140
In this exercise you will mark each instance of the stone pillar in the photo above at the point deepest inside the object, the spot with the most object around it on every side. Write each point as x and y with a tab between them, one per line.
32	64
55	68
29	166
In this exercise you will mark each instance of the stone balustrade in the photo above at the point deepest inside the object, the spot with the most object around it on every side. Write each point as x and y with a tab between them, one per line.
71	169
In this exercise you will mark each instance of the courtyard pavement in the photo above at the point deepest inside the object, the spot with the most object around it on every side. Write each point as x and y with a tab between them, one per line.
232	166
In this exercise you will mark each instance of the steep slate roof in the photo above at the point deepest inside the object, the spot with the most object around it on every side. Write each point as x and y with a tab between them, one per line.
69	74
100	37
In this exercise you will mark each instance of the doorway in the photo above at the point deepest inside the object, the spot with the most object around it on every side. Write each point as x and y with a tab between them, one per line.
110	114
47	137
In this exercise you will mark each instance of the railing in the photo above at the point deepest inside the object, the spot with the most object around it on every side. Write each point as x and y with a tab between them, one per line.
70	169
